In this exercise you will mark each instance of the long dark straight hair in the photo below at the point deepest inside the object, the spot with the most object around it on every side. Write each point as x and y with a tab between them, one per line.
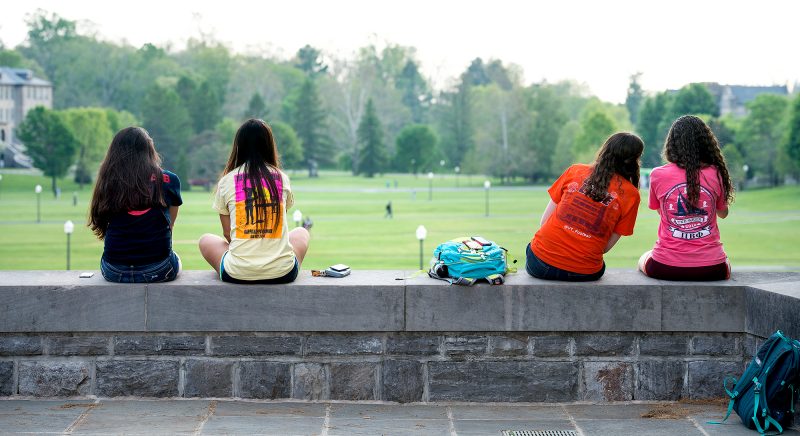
255	151
129	179
691	145
619	155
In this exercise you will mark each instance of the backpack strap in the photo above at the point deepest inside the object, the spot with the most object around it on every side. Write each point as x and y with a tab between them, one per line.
495	279
733	396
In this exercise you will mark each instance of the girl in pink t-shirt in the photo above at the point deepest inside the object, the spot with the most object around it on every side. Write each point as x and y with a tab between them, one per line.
689	192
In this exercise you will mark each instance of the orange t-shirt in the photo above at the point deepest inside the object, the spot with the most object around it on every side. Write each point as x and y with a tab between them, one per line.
574	236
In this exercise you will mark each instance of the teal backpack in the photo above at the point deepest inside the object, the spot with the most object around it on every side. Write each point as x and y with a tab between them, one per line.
457	263
765	394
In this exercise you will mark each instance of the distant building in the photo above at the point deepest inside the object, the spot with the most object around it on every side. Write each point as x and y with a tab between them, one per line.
20	92
732	99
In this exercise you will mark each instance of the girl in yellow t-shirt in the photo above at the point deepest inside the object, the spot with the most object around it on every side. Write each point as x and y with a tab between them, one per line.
252	198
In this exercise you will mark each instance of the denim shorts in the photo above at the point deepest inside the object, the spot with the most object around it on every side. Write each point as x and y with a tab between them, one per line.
163	271
286	278
541	270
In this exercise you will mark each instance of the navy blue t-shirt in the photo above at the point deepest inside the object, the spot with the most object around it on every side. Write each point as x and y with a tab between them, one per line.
143	237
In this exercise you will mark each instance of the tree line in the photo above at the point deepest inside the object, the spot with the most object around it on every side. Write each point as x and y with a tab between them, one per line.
372	113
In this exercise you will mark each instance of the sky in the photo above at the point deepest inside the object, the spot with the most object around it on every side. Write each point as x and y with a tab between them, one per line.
598	43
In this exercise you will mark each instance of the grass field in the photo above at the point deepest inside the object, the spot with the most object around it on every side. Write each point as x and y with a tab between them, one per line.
349	224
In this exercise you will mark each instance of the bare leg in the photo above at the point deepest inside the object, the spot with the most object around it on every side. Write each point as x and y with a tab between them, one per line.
298	239
643	260
212	247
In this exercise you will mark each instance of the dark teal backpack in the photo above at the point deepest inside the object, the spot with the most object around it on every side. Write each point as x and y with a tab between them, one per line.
764	395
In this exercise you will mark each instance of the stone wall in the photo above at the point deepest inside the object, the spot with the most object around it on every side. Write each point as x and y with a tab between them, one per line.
402	367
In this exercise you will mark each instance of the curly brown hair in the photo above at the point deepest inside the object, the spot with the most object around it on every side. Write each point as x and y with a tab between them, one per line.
620	154
691	145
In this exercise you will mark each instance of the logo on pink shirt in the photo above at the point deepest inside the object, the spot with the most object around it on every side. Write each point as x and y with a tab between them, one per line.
686	220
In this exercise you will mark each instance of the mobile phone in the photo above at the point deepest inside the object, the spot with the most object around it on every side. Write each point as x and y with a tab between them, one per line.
481	241
473	244
339	267
86	275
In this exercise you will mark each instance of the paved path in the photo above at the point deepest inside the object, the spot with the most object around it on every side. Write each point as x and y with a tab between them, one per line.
208	417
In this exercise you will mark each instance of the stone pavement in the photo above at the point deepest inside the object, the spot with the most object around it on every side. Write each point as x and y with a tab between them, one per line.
216	417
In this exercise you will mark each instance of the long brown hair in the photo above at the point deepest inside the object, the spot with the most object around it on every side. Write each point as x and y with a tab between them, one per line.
129	179
691	145
255	151
619	155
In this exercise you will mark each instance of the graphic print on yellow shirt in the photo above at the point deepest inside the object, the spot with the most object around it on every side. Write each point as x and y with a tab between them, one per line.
258	218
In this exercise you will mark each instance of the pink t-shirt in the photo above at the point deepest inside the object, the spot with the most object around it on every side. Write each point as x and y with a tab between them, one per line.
687	234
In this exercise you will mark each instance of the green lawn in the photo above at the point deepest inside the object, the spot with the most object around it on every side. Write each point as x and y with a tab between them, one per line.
349	224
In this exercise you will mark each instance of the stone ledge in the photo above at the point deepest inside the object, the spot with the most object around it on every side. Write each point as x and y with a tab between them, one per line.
374	301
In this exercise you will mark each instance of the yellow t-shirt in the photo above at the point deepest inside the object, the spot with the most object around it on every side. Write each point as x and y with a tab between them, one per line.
256	251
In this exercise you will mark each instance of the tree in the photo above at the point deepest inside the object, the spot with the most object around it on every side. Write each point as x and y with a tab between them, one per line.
49	142
762	132
792	146
309	59
735	163
596	127
633	100
201	102
308	120
370	137
416	148
167	120
92	131
289	147
456	123
414	90
648	126
256	108
694	99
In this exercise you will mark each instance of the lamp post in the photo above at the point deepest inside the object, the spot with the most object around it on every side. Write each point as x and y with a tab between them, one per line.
68	229
457	170
38	191
1	183
745	168
297	216
486	185
422	232
430	186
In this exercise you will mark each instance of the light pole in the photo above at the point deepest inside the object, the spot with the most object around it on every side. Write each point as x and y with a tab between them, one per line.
38	191
68	229
1	183
430	186
421	234
745	168
297	216
458	170
486	185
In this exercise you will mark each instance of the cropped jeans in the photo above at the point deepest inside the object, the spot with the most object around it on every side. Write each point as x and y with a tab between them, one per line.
541	270
163	271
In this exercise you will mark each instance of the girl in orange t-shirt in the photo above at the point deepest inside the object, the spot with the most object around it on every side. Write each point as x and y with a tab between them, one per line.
590	207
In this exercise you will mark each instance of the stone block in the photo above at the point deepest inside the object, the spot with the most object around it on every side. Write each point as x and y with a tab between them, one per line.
773	307
659	380
53	378
664	344
77	345
59	301
462	346
353	381
20	345
550	346
340	345
413	345
508	346
527	304
255	345
6	378
139	378
505	381
208	378
402	381
311	381
266	380
607	381
750	346
716	345
129	345
706	376
364	301
707	307
604	344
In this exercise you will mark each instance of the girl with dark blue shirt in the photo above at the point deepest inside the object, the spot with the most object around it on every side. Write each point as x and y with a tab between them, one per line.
133	209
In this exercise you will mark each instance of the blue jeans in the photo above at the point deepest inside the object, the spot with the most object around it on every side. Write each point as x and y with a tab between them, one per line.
163	271
541	270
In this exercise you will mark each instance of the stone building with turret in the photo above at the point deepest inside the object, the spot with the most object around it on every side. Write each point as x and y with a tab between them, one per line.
20	92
